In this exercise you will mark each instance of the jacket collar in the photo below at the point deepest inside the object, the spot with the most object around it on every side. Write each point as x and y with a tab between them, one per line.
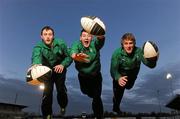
55	43
125	54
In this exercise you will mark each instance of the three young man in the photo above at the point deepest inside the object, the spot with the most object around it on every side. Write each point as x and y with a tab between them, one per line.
125	66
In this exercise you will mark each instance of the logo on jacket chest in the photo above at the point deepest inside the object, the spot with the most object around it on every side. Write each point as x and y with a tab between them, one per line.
129	63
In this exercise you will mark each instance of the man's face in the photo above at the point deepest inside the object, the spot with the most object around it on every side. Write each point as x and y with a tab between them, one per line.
47	36
128	46
86	39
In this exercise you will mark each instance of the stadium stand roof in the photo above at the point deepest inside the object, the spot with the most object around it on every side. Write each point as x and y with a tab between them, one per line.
174	103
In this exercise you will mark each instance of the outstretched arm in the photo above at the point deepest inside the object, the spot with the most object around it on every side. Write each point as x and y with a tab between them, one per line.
80	57
115	67
99	41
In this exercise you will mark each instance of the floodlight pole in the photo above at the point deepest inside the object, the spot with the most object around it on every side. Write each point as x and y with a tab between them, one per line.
15	100
172	88
159	101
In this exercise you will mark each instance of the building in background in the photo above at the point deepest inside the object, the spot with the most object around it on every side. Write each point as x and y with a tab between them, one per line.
174	103
11	111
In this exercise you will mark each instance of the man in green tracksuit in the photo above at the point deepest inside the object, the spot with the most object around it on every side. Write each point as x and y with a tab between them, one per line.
125	66
53	53
86	54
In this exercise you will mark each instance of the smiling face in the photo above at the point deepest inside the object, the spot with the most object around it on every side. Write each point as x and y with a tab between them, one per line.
86	39
47	35
128	42
128	46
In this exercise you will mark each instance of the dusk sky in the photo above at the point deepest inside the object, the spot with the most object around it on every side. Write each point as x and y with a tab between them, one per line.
155	20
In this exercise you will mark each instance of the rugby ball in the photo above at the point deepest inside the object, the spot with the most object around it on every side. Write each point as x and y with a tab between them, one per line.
93	25
38	74
150	50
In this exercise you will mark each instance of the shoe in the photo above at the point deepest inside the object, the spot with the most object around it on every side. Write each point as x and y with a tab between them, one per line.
83	115
117	111
48	117
63	111
99	117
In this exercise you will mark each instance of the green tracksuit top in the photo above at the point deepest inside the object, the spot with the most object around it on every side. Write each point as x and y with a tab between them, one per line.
58	54
129	65
94	66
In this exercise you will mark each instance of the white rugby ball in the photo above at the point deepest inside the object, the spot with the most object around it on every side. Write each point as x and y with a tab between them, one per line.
38	74
150	50
93	25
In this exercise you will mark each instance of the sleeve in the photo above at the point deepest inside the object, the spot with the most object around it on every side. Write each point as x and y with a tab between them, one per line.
99	43
67	60
36	55
114	67
74	48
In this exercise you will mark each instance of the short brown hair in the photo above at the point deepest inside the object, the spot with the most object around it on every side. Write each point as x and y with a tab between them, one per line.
82	31
128	36
47	28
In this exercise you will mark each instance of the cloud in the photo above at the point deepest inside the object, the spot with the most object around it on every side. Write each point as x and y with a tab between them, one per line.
31	96
146	96
148	93
156	88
